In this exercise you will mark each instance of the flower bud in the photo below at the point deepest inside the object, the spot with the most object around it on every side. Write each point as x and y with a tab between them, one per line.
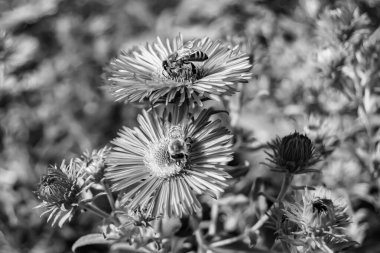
59	190
294	153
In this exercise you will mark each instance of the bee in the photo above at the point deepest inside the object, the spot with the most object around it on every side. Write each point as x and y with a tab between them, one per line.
322	205
179	148
179	64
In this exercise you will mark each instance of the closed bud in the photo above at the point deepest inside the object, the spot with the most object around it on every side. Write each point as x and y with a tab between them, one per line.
294	153
60	192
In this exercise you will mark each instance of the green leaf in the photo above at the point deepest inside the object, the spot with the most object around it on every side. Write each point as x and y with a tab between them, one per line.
239	247
125	248
90	239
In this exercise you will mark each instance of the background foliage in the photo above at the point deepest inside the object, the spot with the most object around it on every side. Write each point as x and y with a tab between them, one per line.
308	60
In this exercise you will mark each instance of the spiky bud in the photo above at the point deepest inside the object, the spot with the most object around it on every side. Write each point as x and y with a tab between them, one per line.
294	153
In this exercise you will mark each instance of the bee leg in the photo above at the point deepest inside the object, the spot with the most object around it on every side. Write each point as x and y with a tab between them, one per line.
165	66
163	73
193	69
185	70
192	72
188	140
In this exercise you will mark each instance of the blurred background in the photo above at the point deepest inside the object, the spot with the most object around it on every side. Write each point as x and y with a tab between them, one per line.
53	106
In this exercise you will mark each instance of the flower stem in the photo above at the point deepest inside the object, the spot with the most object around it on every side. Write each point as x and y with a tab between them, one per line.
286	182
199	237
285	247
110	197
228	241
148	250
214	217
96	210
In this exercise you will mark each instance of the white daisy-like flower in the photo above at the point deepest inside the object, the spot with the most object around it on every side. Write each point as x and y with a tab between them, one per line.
166	71
166	163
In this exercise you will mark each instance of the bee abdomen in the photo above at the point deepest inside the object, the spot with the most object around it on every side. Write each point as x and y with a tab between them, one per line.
198	56
177	156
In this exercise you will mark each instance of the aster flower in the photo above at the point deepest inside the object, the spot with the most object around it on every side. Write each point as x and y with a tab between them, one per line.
141	75
163	165
60	190
320	210
93	163
315	220
294	153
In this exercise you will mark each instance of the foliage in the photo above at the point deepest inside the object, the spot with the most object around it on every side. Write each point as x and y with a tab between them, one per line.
280	157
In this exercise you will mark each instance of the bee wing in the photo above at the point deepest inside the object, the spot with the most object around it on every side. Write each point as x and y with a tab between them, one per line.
188	45
186	49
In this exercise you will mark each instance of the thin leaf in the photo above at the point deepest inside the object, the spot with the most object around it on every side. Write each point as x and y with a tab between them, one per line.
90	239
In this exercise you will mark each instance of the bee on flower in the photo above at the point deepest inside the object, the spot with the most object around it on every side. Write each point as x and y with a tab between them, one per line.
164	165
60	192
170	70
314	220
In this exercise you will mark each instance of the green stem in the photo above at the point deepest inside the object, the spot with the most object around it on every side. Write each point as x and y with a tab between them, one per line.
285	247
199	237
214	218
110	198
286	182
96	210
148	250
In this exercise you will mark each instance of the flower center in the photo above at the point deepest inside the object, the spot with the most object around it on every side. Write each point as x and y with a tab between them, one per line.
159	161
